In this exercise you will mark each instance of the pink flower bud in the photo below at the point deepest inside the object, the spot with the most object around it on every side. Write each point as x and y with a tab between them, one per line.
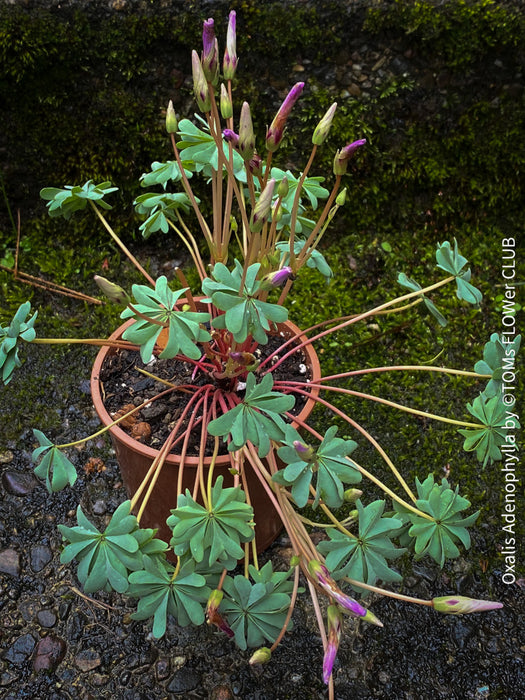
304	452
335	623
210	51
344	154
322	129
213	617
230	60
230	137
458	605
275	132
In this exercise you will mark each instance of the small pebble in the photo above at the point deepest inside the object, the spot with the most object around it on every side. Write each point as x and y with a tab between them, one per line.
10	562
50	651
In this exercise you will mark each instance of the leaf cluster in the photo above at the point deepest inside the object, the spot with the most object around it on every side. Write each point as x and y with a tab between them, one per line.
20	327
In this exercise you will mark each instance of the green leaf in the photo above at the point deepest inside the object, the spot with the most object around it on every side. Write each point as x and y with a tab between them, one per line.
453	262
405	281
215	532
162	173
106	558
256	419
256	612
57	470
160	594
20	328
329	469
64	202
437	537
184	326
498	355
245	314
487	440
364	557
159	208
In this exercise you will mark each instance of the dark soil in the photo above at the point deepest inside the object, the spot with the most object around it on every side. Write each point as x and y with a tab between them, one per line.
124	386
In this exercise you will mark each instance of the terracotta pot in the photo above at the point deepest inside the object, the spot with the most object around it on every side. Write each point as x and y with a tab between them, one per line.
135	458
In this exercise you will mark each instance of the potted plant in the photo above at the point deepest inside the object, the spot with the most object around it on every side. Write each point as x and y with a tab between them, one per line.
213	393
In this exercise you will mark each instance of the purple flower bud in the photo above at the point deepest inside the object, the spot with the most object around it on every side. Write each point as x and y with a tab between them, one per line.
262	208
243	358
321	574
246	135
457	605
230	137
322	129
334	635
344	154
230	60
213	617
304	452
210	51
200	84
255	165
261	656
275	132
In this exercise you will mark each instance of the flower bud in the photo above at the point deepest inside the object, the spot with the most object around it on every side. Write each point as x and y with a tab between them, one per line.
351	495
261	656
213	617
458	604
344	154
230	60
230	137
322	129
275	131
277	278
262	208
112	291
341	198
210	51
304	452
200	84
255	165
246	135
226	103
171	119
283	188
243	358
335	624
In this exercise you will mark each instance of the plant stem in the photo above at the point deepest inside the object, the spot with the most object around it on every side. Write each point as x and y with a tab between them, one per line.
121	245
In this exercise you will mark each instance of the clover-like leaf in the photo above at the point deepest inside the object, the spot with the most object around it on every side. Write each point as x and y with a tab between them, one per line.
57	470
439	536
161	593
64	202
499	355
256	612
215	531
184	329
159	208
162	173
487	440
20	327
329	467
199	148
411	284
364	557
106	558
452	261
256	419
245	313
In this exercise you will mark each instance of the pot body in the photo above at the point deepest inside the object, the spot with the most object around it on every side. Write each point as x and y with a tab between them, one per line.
135	458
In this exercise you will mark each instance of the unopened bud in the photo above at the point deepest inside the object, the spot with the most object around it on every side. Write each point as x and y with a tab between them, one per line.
200	84
246	135
171	119
277	278
261	656
210	51
230	60
275	131
458	604
344	154
226	103
341	198
112	291
322	129
283	188
262	208
304	452
351	495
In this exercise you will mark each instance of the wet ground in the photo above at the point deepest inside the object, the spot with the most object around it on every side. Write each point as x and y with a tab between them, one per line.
56	643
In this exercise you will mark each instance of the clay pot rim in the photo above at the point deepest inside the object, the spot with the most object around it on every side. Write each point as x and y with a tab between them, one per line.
189	461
